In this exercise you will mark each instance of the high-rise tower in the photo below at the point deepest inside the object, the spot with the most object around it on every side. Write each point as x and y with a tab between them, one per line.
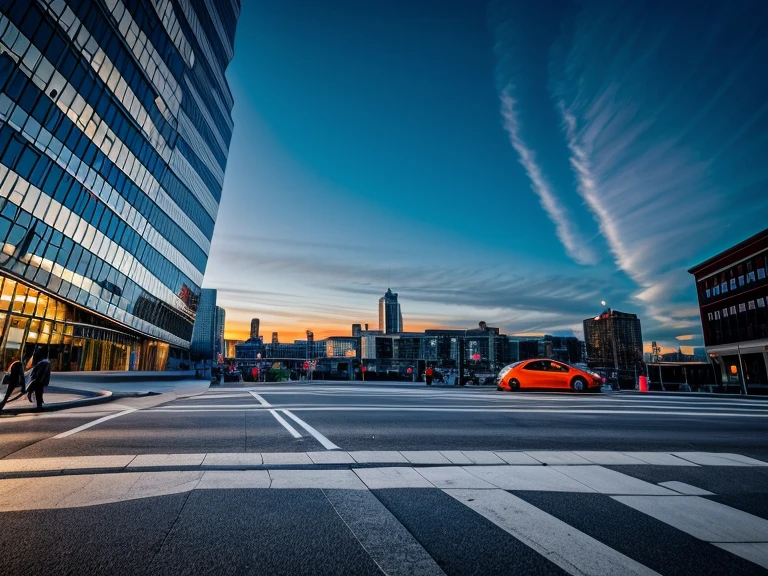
390	317
115	123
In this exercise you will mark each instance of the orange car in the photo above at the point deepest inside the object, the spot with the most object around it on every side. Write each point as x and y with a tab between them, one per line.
545	373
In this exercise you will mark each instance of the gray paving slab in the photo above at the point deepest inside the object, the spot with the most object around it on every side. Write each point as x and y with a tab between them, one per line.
425	457
230	479
527	478
163	460
235	459
394	477
331	457
378	457
608	481
285	458
321	479
452	477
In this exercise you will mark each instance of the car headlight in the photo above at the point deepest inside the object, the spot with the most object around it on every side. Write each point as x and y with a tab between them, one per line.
503	372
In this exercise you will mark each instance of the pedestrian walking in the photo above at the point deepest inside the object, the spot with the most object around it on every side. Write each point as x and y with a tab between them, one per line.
13	379
428	376
40	377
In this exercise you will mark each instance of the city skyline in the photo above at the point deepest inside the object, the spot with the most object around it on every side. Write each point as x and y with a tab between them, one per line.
503	161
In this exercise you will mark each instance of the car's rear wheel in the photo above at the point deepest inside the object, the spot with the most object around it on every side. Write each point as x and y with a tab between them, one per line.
579	385
514	385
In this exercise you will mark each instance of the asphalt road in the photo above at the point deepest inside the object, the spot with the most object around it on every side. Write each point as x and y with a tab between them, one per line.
351	478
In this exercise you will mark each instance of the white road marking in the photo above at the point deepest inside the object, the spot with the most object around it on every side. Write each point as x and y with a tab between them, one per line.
686	489
756	552
608	481
94	423
389	543
327	444
701	518
260	399
287	426
487	410
575	552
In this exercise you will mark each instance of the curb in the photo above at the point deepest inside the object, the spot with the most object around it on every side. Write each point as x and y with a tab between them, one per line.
689	394
91	398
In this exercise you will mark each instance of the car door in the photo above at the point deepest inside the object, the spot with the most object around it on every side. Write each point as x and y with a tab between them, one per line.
533	375
559	375
549	375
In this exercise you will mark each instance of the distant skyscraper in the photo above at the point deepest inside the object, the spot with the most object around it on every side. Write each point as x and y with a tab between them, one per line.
275	338
255	328
390	317
205	333
356	329
221	319
614	340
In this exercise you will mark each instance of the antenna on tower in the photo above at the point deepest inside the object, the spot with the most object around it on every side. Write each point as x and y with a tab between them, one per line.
389	273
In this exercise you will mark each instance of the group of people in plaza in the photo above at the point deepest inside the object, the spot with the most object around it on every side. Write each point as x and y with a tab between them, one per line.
30	375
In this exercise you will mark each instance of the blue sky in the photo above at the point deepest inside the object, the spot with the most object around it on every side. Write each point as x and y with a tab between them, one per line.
513	162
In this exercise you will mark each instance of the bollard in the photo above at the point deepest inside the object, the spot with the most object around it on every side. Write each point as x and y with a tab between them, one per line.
643	381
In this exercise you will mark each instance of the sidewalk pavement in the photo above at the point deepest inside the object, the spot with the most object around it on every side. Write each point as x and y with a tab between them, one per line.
57	398
75	389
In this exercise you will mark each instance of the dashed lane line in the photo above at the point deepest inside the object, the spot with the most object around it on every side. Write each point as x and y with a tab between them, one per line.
327	444
287	426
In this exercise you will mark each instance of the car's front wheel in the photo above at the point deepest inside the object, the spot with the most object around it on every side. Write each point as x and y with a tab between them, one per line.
579	385
514	385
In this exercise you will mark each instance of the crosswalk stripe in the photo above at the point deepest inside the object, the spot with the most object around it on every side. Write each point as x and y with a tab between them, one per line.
756	552
701	518
386	540
572	550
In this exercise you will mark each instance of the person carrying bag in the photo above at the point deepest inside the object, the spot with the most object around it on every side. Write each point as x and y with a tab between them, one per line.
40	377
13	379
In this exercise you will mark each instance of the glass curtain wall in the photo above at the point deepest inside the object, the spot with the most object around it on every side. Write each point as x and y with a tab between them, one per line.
30	319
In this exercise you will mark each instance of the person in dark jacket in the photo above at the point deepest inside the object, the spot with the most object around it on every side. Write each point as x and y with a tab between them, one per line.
40	377
14	378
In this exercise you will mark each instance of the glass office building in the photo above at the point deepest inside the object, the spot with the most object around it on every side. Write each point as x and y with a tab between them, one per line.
115	122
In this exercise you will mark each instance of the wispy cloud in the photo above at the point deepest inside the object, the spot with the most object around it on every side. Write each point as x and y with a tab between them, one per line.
642	113
575	246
